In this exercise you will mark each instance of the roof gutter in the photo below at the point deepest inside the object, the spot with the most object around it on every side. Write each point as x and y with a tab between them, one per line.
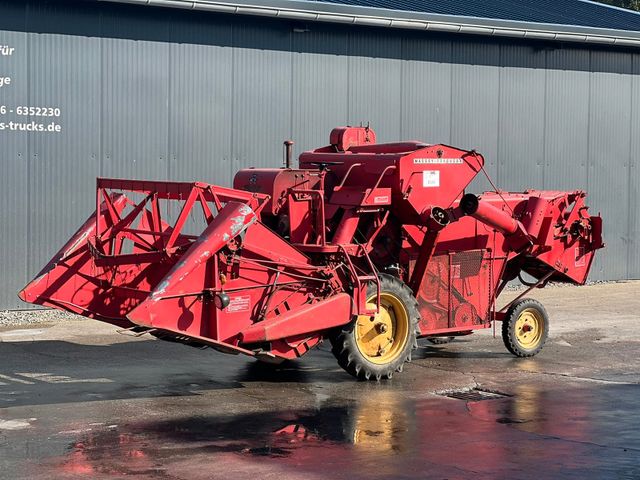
378	17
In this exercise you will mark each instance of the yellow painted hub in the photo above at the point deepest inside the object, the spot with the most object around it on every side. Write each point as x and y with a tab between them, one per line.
381	338
529	328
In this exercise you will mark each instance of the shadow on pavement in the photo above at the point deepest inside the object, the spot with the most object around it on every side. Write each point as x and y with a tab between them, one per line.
51	371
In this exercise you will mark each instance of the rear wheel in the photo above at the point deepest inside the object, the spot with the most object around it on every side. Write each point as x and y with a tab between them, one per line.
374	347
525	328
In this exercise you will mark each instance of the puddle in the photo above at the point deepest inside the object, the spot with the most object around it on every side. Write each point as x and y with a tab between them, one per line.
581	433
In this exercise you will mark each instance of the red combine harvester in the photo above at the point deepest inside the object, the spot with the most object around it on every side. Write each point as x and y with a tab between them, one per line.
369	245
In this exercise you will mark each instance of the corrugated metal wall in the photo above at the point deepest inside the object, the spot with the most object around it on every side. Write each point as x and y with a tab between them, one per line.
152	93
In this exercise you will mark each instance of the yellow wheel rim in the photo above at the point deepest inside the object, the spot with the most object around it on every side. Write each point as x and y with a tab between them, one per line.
529	328
382	338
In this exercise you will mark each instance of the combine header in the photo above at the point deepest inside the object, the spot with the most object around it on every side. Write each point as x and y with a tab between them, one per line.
368	245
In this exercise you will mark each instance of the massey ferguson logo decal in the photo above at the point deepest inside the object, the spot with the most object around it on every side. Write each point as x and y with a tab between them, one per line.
437	161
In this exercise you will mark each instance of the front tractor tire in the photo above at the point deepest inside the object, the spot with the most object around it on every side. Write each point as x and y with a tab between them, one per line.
375	347
525	328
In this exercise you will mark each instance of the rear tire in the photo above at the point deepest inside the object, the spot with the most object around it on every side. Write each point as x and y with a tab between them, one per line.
525	328
372	348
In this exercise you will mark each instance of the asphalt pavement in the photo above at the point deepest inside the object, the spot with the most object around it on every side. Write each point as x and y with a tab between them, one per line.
79	400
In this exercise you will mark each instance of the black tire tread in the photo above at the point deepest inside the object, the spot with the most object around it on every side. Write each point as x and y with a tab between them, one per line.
346	351
508	334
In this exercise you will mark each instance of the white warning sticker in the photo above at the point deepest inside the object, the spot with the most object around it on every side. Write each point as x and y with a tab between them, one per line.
239	303
431	178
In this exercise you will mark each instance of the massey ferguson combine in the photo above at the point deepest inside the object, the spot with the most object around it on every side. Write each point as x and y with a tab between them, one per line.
370	246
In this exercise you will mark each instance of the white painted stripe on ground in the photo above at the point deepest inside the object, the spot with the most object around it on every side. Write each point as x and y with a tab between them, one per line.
16	424
16	380
51	378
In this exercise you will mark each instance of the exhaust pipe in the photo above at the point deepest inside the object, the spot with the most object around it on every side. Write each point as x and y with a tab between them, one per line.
288	153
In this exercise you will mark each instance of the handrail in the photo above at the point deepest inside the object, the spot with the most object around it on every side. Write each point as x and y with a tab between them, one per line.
384	172
344	179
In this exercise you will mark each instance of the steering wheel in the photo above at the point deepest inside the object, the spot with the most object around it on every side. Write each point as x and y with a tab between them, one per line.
323	165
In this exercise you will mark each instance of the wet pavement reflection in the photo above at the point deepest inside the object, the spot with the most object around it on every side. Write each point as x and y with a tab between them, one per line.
589	432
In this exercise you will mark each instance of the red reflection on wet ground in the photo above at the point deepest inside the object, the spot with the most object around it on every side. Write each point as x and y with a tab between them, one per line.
106	452
531	434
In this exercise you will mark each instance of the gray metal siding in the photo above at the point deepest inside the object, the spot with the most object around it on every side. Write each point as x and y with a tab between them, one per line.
475	103
135	109
426	90
566	134
14	185
58	59
160	94
608	166
200	102
261	110
320	64
374	83
521	125
633	249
